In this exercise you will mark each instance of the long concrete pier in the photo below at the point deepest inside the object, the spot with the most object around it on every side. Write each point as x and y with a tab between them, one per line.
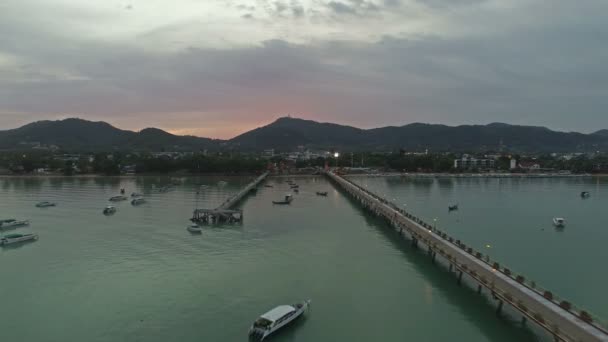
559	318
224	212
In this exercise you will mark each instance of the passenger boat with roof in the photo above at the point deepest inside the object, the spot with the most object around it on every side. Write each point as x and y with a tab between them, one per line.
16	238
45	204
12	223
118	198
288	199
277	318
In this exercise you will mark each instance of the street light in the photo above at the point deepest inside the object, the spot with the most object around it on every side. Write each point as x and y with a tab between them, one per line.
336	155
435	225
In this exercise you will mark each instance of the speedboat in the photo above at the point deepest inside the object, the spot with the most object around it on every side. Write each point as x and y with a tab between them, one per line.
277	318
109	210
12	223
287	200
585	194
324	193
45	204
16	238
453	207
138	201
136	194
194	228
559	222
118	198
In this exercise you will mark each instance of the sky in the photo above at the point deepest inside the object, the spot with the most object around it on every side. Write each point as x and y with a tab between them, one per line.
217	68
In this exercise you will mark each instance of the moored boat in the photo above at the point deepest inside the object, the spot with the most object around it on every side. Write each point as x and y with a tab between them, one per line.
136	194
16	238
288	199
559	222
118	198
138	201
222	183
45	204
276	319
324	193
585	194
109	210
194	228
453	207
12	223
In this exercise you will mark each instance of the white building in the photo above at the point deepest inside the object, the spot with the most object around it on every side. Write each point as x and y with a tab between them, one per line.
468	162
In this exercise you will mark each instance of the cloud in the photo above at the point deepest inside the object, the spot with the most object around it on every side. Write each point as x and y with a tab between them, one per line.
481	63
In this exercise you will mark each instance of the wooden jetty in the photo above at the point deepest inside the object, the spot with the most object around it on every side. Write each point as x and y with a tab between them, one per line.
525	300
224	213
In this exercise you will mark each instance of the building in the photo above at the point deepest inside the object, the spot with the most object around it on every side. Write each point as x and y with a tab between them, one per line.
467	162
268	153
513	164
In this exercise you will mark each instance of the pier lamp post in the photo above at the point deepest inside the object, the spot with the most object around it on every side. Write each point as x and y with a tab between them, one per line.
336	155
435	224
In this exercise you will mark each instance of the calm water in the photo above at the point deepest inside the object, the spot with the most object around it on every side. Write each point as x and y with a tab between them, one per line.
511	220
140	276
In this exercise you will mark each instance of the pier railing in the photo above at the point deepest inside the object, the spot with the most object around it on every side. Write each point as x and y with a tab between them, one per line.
436	239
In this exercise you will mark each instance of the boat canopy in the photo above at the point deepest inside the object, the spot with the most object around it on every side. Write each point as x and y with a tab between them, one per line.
278	312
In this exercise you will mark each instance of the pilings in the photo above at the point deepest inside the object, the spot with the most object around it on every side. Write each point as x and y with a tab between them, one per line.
558	318
224	213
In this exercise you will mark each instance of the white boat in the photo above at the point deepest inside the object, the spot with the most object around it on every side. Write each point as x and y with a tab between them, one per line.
136	194
45	204
138	201
222	183
109	210
559	222
16	238
12	223
277	318
203	187
194	228
118	198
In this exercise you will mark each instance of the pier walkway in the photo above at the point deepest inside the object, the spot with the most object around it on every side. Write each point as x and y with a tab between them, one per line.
559	318
225	213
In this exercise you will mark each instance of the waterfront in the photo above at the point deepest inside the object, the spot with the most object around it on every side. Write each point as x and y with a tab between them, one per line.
139	275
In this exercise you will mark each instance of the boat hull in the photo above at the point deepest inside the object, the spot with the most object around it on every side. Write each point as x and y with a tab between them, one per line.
260	334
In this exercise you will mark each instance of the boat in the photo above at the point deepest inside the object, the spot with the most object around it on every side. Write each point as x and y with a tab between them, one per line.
585	194
45	204
222	183
453	207
12	223
136	194
324	193
16	238
203	187
276	319
296	190
138	201
118	198
295	186
288	199
194	228
109	210
559	222
268	186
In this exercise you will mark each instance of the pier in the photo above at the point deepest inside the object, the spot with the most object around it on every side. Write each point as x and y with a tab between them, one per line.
225	213
559	318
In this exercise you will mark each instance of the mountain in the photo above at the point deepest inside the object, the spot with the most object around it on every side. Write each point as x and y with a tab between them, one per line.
82	135
603	133
286	134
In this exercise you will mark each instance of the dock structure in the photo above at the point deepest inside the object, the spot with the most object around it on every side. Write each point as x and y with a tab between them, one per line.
224	213
559	318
